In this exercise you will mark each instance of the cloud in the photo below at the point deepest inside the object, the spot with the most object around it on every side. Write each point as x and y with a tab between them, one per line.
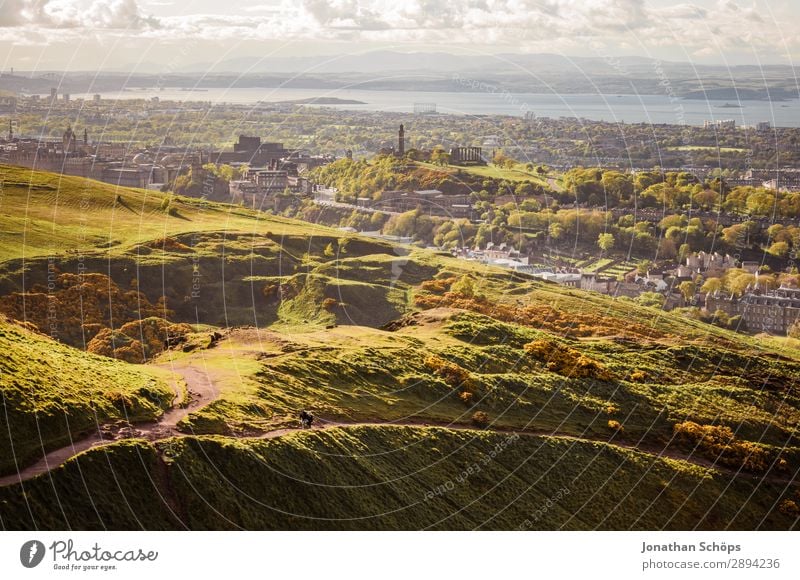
533	25
80	14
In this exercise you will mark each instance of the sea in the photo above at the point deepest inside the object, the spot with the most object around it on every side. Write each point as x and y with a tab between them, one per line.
652	109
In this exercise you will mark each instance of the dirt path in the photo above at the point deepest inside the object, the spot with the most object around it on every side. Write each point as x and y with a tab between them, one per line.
206	391
201	390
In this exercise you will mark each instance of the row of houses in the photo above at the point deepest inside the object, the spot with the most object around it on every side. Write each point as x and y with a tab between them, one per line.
774	311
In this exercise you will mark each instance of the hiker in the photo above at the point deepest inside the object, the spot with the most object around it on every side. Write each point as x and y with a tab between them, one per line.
306	419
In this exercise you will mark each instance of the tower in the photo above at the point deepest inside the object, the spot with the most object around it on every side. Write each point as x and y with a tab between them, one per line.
401	142
10	131
68	140
85	136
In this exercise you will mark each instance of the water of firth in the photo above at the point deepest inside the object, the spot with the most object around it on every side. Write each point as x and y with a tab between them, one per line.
595	107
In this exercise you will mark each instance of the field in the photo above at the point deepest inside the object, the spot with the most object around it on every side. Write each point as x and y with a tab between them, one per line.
516	173
448	394
43	214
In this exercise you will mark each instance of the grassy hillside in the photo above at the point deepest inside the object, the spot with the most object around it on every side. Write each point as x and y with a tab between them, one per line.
52	393
390	478
45	214
362	331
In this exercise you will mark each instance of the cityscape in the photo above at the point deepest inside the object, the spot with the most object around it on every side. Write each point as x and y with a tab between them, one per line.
294	268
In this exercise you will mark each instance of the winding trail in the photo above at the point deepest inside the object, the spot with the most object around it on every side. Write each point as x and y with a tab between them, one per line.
202	390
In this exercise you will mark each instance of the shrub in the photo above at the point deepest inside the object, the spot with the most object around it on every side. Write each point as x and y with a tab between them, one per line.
438	286
330	303
464	287
541	316
638	376
451	373
720	444
480	419
466	397
615	426
566	361
790	508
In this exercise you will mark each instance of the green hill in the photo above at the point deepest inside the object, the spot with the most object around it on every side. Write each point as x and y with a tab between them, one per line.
52	393
648	419
389	478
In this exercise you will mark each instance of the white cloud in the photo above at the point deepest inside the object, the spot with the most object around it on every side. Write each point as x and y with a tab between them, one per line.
83	14
549	25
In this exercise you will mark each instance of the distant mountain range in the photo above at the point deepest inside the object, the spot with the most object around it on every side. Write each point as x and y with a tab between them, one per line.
440	72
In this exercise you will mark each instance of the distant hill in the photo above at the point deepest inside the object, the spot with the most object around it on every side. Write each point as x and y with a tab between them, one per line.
432	71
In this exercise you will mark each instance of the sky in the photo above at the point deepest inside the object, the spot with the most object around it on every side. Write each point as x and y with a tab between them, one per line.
170	34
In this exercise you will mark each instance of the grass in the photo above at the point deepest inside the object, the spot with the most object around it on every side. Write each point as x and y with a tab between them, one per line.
360	374
52	393
44	214
516	173
318	341
390	478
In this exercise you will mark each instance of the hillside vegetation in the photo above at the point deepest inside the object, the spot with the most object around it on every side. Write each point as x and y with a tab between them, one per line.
390	478
52	394
419	364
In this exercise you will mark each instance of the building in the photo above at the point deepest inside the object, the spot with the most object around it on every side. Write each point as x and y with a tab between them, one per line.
763	126
251	151
401	142
8	103
774	312
592	282
431	201
467	156
720	124
709	264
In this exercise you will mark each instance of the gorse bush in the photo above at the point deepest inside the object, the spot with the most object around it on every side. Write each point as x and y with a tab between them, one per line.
543	316
330	303
480	419
718	442
79	306
138	341
451	373
566	361
439	286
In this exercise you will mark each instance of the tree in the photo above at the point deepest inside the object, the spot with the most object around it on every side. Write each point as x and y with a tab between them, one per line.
711	286
737	281
439	156
780	249
643	266
687	290
605	242
652	299
555	231
464	287
329	251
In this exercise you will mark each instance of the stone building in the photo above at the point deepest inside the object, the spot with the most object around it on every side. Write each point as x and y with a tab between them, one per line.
774	312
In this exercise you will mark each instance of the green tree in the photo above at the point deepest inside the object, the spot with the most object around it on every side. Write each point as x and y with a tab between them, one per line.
605	242
780	249
711	286
652	299
687	290
464	287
